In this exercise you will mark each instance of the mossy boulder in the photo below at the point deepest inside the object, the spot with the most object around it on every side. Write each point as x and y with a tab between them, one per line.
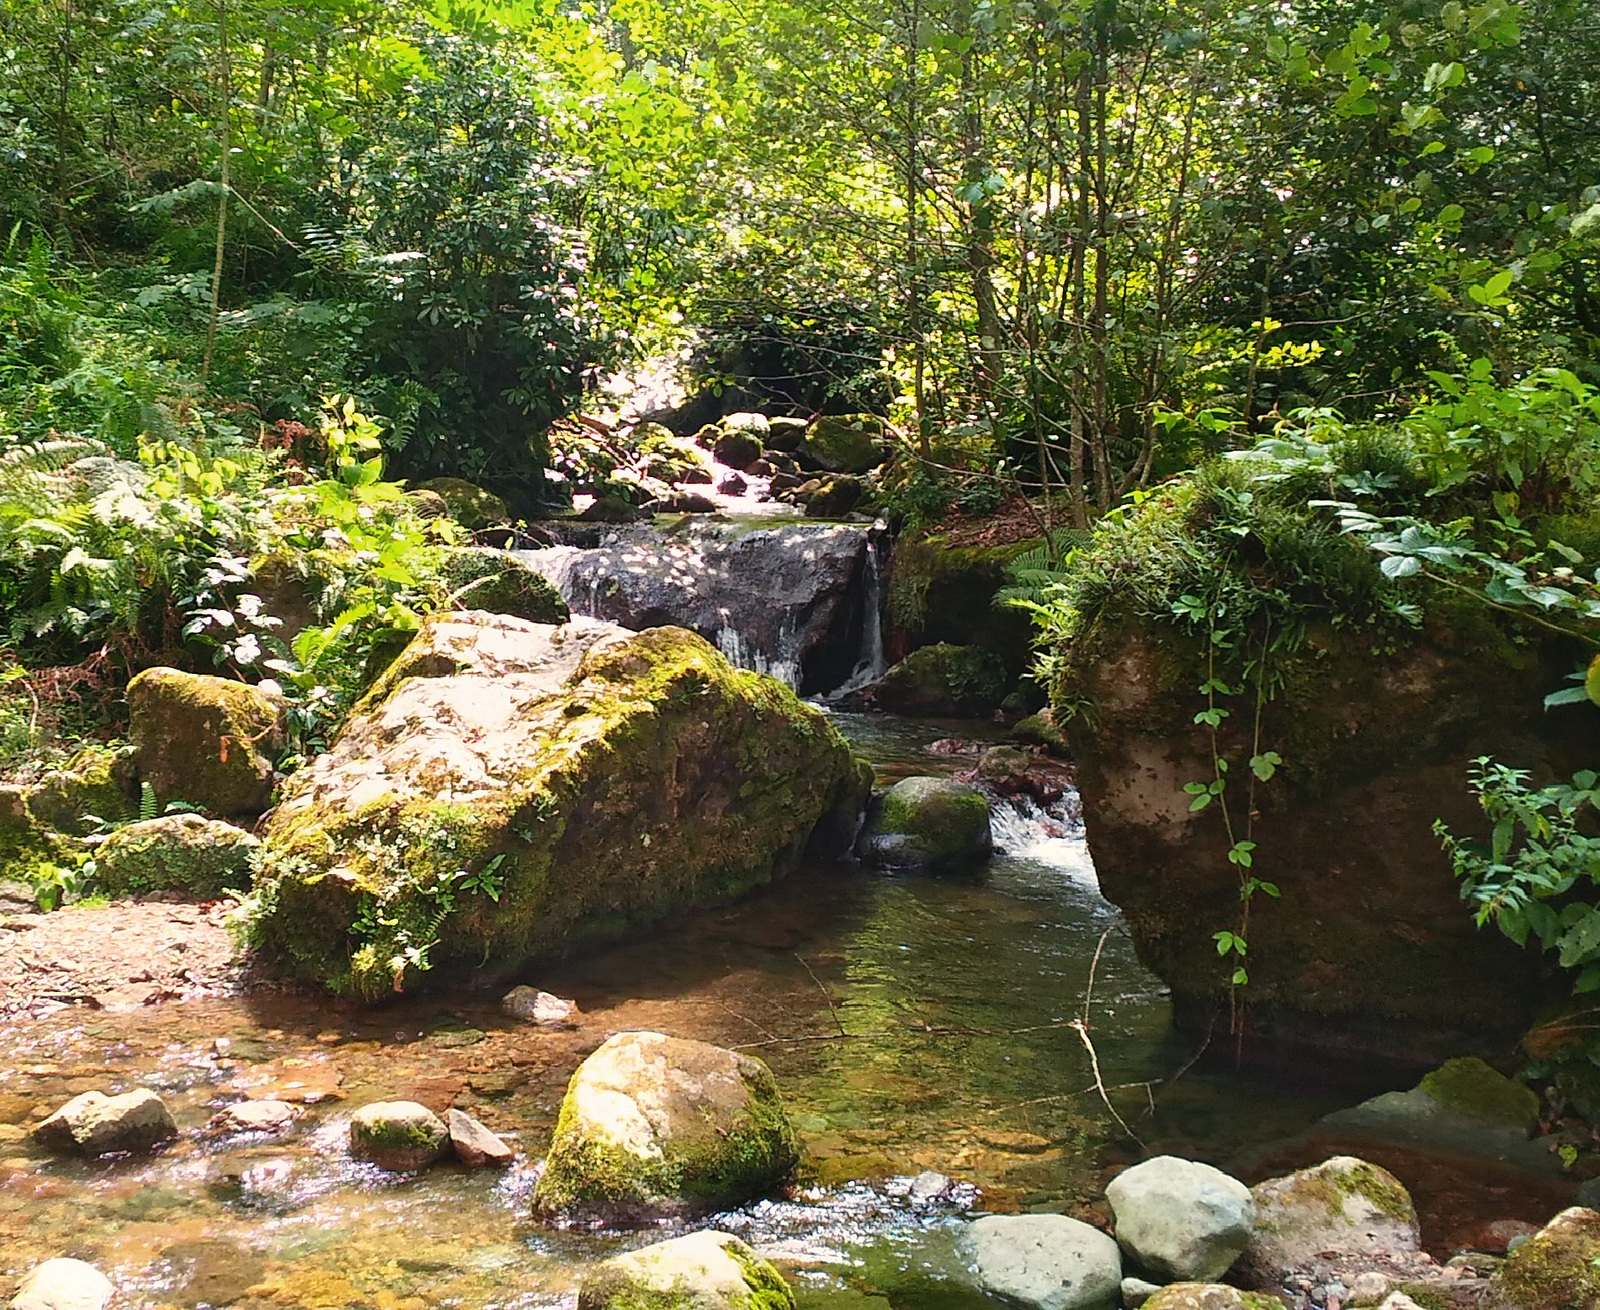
930	823
185	853
655	1126
94	785
1338	1213
1040	730
401	1136
944	681
836	497
940	592
479	578
1210	1296
738	448
509	790
699	1271
469	504
1469	1086
209	741
1556	1269
843	443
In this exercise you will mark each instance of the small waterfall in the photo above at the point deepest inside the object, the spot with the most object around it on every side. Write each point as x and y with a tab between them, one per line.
798	600
1026	830
870	663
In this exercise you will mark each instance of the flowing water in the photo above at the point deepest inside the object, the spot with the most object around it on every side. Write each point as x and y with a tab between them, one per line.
914	1023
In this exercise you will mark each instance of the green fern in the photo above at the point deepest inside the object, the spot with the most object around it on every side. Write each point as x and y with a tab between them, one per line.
149	806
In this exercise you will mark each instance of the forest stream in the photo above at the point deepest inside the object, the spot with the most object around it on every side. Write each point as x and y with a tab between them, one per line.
917	1025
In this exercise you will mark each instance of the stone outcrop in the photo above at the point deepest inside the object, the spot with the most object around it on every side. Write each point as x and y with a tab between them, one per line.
209	741
699	1271
655	1126
185	853
1370	937
511	790
1181	1220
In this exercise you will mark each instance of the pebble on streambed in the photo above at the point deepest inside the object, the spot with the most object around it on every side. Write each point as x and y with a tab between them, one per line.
63	1284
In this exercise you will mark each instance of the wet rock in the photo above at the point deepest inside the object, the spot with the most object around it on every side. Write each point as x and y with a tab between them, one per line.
1135	1292
201	858
63	1284
642	767
778	462
700	1271
209	741
836	498
1336	1213
95	1124
1557	1269
1210	1296
1181	1220
733	485
1008	771
930	823
1040	730
1495	1236
944	681
738	450
255	1117
208	1272
929	1187
685	502
540	1008
468	504
475	1146
611	509
1044	1261
1469	1086
655	1126
783	481
757	425
786	434
843	443
400	1136
497	581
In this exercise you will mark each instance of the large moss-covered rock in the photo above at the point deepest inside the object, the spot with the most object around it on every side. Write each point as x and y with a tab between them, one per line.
930	823
209	741
699	1271
176	852
944	680
939	592
654	1126
843	443
496	581
1556	1269
91	787
469	504
1369	948
509	790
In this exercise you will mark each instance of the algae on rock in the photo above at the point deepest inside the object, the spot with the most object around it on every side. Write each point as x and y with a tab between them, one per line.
510	790
176	852
699	1271
655	1126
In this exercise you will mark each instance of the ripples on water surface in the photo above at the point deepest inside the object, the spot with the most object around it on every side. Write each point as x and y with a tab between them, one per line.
931	1018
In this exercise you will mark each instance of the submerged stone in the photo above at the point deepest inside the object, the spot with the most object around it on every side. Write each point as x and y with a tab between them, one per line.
655	1126
930	823
700	1271
510	790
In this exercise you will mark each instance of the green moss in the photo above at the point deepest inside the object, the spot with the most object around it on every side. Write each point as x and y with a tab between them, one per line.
1426	1295
1470	1086
845	443
942	593
497	581
92	785
940	824
179	852
1332	1187
945	679
1556	1268
469	505
768	1290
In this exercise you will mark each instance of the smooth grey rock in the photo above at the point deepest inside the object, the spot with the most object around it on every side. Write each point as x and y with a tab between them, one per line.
97	1124
1135	1292
1369	1288
929	1186
400	1136
63	1284
1181	1220
541	1008
1044	1261
475	1146
701	1271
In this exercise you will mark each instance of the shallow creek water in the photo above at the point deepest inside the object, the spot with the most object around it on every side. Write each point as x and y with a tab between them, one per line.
913	1023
